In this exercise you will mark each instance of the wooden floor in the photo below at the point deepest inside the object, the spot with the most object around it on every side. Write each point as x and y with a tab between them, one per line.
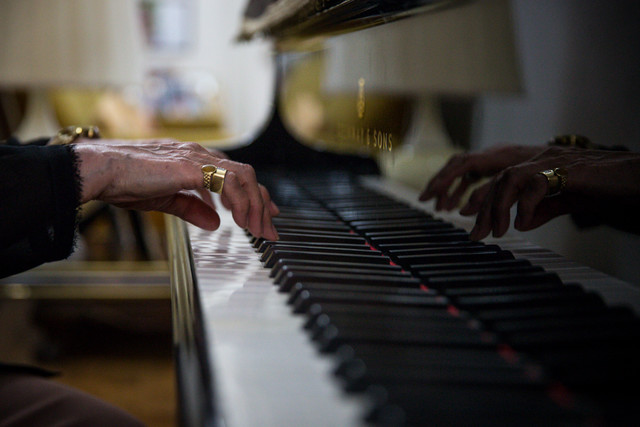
131	369
119	350
101	318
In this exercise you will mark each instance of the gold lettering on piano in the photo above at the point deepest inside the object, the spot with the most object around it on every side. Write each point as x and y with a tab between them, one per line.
360	105
370	137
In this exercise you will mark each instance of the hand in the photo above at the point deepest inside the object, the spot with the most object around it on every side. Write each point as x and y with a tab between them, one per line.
596	181
158	174
470	168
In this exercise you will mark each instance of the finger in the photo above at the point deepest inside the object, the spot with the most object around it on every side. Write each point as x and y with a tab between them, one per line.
509	189
454	198
235	199
247	178
482	226
184	205
268	229
440	183
547	209
475	200
217	153
206	196
529	202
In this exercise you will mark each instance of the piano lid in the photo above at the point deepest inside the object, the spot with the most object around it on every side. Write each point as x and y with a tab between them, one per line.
349	84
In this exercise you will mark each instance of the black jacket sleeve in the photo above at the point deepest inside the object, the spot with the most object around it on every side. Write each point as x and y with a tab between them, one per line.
39	199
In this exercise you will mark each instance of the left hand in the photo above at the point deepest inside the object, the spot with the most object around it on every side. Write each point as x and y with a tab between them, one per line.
158	174
593	176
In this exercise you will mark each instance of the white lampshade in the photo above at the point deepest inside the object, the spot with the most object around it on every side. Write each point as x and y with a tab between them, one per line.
67	43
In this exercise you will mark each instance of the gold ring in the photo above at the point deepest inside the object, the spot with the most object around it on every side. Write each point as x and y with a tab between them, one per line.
213	178
556	180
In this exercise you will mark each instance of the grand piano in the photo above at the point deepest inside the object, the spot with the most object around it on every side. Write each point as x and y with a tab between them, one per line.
372	309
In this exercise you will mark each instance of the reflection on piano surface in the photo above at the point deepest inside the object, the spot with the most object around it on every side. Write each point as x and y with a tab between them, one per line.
370	309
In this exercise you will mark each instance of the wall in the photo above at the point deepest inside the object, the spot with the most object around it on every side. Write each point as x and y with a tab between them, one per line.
581	74
244	70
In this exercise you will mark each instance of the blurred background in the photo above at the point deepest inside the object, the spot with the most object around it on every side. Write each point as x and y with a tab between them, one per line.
185	76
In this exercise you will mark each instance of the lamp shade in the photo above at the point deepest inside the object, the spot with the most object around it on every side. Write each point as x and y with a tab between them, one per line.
69	42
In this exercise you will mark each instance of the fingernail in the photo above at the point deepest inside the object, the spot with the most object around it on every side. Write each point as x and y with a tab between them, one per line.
275	232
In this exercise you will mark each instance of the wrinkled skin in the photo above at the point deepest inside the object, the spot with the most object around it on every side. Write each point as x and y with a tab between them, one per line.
159	174
593	177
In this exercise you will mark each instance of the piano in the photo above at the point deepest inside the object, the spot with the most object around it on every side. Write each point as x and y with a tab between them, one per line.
372	309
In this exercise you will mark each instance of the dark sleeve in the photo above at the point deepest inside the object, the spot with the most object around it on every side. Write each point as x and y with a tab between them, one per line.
39	198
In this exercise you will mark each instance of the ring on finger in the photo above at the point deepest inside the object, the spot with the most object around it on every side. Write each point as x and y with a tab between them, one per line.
213	178
556	180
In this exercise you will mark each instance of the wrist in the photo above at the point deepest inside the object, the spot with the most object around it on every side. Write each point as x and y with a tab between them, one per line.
93	171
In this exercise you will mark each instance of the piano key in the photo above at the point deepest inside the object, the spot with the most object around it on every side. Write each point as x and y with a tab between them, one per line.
302	269
480	405
501	269
422	313
442	249
567	295
463	257
611	316
333	336
333	224
460	245
588	303
321	238
420	269
454	236
268	248
306	298
380	289
293	263
493	279
358	375
337	256
348	279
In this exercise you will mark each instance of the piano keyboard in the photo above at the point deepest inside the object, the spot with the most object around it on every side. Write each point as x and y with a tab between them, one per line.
369	310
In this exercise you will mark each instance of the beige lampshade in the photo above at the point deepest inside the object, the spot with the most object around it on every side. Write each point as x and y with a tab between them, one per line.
49	43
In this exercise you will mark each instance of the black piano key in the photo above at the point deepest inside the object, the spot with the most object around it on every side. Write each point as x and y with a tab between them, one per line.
421	313
588	303
426	355
419	245
567	295
321	238
378	323
330	225
485	268
508	279
337	256
306	298
410	231
377	214
268	247
302	269
479	405
397	225
612	316
410	261
380	289
348	279
419	269
498	290
306	215
452	235
425	250
405	333
359	374
293	263
627	333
